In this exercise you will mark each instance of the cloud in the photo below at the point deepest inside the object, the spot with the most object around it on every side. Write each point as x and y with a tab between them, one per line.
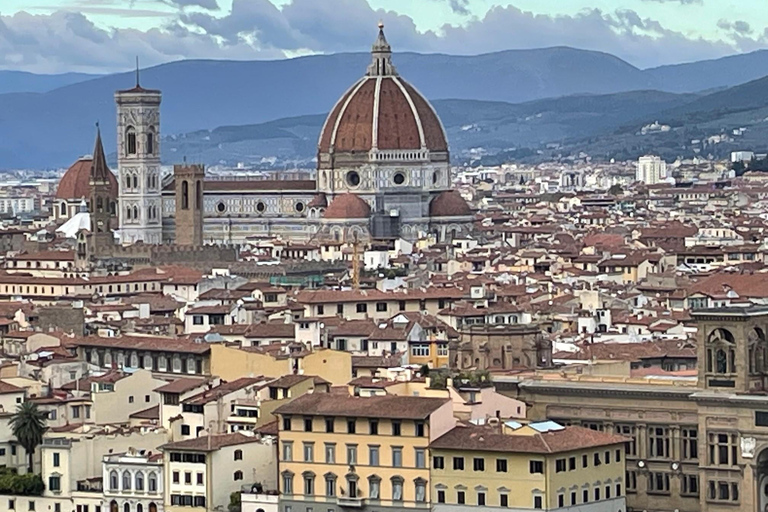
682	2
211	5
254	29
460	6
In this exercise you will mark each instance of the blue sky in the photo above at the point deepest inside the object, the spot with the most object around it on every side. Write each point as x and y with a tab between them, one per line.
103	35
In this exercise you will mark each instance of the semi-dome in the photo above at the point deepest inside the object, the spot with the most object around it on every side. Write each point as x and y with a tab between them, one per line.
381	111
449	204
347	206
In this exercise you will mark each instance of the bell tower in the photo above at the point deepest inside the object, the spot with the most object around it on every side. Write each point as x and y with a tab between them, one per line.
102	200
189	204
138	158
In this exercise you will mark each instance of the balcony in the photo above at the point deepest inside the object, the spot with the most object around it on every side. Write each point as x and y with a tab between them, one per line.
347	502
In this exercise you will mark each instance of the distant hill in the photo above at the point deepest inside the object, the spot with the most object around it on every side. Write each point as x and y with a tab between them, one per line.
492	125
53	127
21	81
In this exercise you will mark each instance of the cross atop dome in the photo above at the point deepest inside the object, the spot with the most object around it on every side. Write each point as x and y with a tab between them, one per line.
381	56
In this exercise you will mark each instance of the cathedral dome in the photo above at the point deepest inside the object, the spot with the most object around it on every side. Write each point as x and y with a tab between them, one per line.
76	182
347	206
449	204
381	111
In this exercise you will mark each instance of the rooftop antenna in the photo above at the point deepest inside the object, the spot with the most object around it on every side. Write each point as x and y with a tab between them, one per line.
137	72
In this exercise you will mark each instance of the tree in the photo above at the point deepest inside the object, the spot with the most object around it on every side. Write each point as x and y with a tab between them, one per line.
616	190
28	426
234	502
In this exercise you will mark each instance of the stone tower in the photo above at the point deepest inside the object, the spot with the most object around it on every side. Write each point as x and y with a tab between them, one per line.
189	204
102	202
138	158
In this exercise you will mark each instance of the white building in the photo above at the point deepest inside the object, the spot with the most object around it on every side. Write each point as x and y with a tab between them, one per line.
133	481
651	170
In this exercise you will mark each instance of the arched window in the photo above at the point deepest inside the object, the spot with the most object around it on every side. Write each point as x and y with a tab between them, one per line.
151	142
149	212
114	484
139	508
135	181
238	475
127	507
130	140
136	212
721	353
198	195
99	204
126	480
128	212
113	506
185	195
128	181
63	209
152	481
139	481
238	454
149	181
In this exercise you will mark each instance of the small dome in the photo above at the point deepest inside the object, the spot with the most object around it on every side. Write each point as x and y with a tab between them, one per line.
449	204
347	206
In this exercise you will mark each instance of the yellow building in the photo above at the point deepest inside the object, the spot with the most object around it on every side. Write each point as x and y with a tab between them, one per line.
541	466
366	453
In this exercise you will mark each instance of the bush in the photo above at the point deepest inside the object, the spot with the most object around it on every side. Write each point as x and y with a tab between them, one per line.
25	485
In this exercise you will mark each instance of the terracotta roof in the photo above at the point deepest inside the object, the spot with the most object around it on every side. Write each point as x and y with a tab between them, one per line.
222	389
204	444
489	438
140	343
449	204
387	406
288	381
745	285
181	385
153	413
76	182
319	201
347	206
84	384
9	388
631	351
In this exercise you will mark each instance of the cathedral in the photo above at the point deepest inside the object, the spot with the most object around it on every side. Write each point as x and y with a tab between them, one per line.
383	171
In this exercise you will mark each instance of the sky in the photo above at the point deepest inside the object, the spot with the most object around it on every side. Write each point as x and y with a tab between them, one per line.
101	36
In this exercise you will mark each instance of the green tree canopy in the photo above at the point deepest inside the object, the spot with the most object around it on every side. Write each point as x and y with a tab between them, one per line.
28	426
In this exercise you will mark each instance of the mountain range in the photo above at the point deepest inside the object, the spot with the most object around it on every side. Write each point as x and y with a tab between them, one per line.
565	92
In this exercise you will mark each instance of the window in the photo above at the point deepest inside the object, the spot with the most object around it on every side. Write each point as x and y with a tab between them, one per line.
374	488
56	460
238	454
481	499
329	425
373	426
723	491
559	465
501	465
585	495
420	429
584	461
139	481
373	455
11	504
460	498
361	308
535	466
440	496
658	442
504	500
573	497
458	463
420	350
130	399
330	453
287	451
188	478
596	458
607	457
330	485
396	428
309	452
309	484
351	424
130	141
339	309
351	454
287	483
631	483
307	424
438	462
537	502
176	477
618	455
478	464
152	482
151	143
658	482
690	443
286	423
631	432
421	490
560	500
597	494
397	489
690	485
381	306
421	458
54	483
397	456
126	480
237	476
722	449
185	430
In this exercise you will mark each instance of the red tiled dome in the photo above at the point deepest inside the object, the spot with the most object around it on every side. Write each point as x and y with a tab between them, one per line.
347	206
76	182
449	204
382	111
